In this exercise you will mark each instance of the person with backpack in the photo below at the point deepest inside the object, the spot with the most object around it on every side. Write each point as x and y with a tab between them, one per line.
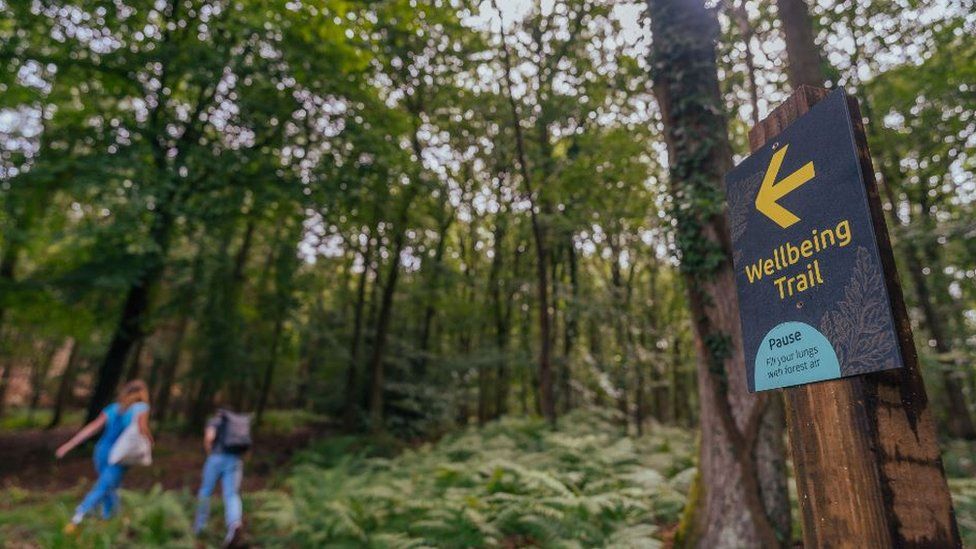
226	438
131	409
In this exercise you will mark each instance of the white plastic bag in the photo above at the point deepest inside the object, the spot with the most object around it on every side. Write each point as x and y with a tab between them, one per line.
131	448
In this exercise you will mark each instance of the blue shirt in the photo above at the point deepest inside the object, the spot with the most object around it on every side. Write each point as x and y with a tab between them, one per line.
118	420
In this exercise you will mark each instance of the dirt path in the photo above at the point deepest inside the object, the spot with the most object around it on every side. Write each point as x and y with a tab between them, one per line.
27	460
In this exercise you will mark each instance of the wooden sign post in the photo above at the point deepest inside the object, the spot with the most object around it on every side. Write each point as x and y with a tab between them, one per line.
867	462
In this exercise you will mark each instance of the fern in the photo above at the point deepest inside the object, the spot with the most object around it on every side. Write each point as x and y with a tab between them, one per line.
514	483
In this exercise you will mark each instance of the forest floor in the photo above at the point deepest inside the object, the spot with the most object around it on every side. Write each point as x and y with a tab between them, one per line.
27	460
514	483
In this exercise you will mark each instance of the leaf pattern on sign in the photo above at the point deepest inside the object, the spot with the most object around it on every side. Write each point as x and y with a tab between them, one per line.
859	327
740	203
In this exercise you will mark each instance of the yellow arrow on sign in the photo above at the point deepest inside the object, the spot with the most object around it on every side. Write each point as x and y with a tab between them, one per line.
770	191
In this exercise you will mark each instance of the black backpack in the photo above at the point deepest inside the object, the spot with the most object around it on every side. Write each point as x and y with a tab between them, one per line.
235	432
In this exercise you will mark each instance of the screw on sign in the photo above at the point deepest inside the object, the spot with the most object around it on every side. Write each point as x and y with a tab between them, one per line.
823	319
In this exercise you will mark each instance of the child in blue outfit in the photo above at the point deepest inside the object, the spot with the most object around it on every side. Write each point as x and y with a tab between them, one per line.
132	405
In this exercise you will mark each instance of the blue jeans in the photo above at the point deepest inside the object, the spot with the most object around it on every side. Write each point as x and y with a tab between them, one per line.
228	469
105	490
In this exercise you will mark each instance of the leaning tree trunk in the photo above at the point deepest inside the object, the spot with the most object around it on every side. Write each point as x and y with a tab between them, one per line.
738	503
129	328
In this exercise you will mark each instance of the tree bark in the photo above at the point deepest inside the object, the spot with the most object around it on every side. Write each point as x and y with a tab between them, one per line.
167	374
731	507
5	383
546	399
269	369
65	386
352	370
376	366
130	327
570	328
958	421
39	372
804	65
432	288
134	369
501	296
740	16
8	266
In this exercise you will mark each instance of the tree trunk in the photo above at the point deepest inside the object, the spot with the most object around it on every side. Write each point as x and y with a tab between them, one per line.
524	334
376	366
546	400
284	271
39	373
352	370
570	328
269	368
5	383
639	399
429	309
484	398
740	15
804	65
167	373
65	386
168	370
127	333
129	328
730	509
8	266
134	368
500	296
959	422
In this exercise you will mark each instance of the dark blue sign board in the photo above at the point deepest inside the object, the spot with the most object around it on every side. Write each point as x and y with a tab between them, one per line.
812	296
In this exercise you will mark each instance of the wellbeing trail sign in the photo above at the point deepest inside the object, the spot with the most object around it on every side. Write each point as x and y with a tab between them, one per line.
812	296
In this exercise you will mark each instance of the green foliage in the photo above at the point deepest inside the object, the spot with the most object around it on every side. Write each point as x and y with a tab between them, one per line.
964	501
22	419
289	421
514	481
156	518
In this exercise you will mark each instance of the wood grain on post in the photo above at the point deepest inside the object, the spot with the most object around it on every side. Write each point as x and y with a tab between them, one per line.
865	453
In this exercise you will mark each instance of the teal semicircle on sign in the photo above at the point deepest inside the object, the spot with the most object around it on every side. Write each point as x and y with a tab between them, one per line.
794	353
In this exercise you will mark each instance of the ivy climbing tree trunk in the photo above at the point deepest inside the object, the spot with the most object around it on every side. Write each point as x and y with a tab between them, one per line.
735	504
